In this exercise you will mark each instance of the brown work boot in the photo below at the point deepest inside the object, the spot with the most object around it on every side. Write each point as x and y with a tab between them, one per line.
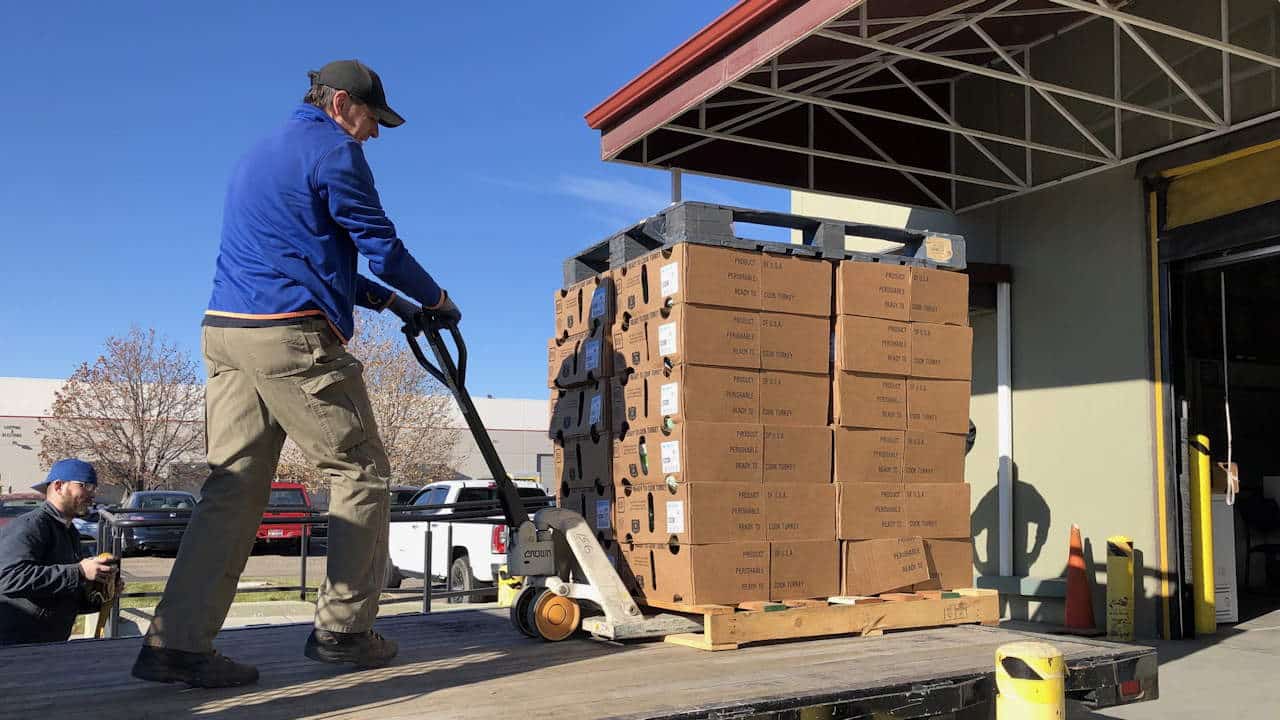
205	670
364	650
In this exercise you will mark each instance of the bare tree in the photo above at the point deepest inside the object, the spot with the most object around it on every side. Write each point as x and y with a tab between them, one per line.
133	412
416	416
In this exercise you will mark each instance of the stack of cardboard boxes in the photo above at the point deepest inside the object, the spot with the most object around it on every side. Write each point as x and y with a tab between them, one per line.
691	409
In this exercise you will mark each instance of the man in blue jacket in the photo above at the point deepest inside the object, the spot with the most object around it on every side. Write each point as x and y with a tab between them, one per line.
44	581
301	208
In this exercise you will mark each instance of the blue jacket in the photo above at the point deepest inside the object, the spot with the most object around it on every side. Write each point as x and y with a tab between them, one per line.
301	206
41	588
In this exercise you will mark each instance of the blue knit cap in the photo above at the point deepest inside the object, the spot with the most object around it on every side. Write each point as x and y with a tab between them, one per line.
70	469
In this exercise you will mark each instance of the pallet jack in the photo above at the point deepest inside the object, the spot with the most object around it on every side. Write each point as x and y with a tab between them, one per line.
570	582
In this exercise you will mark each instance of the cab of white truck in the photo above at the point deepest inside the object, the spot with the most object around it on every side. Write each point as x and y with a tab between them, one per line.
466	554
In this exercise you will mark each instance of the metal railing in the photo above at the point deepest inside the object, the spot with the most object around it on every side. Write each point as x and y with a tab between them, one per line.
113	522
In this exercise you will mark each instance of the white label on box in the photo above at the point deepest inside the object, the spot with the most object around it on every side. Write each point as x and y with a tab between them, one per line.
667	339
670	402
603	513
598	303
671	456
669	279
593	354
597	407
675	517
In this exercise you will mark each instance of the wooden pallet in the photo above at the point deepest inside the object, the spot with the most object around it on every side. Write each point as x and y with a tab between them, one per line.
726	627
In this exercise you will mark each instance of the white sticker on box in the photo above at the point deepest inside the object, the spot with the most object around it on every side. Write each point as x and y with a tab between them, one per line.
603	515
669	279
670	399
598	302
671	456
675	517
667	339
592	351
597	409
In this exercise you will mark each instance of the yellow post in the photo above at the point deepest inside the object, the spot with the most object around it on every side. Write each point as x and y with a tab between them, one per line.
1119	588
1202	538
1030	682
508	587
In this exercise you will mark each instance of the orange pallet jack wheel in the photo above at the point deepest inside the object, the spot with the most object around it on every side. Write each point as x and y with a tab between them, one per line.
555	617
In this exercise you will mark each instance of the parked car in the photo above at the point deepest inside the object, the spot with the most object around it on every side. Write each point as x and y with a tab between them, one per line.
472	559
403	494
159	539
14	505
87	526
285	536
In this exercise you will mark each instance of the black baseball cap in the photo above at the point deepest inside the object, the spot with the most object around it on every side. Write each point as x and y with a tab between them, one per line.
362	83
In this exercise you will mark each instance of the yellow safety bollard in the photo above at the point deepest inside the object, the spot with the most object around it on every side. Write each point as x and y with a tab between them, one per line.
1202	538
1030	682
508	587
1119	588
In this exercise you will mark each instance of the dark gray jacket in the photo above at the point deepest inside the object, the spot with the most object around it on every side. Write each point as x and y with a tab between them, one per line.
41	588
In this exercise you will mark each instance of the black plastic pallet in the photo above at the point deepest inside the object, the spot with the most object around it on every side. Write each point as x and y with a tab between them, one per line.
709	224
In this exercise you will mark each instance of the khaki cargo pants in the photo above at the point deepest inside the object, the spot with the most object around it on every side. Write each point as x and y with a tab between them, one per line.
264	384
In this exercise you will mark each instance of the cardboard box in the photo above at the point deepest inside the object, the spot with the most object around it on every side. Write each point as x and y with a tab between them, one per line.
868	455
583	411
933	457
585	307
872	345
938	510
579	359
938	405
878	290
689	273
941	351
583	463
800	511
689	334
804	569
646	399
724	574
939	296
595	505
794	398
950	564
871	401
690	514
872	567
797	285
795	343
693	452
796	454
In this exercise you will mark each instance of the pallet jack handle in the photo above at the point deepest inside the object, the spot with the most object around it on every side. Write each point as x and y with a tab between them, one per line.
453	375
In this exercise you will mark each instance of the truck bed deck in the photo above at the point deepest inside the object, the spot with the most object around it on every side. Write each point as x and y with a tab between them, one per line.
473	664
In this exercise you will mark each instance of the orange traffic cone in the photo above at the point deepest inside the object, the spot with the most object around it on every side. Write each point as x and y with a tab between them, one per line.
1078	616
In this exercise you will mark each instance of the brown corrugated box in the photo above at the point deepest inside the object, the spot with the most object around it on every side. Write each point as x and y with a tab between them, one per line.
725	574
938	405
690	514
871	401
795	343
800	511
872	345
950	564
796	454
933	457
796	285
941	351
595	505
804	569
583	462
585	307
579	359
583	411
889	510
689	334
794	398
939	296
645	399
692	452
868	455
871	567
873	290
689	273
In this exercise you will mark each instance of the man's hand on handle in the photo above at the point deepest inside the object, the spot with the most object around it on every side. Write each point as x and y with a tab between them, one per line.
95	569
446	312
415	316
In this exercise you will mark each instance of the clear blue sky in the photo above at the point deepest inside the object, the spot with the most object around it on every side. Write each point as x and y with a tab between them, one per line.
123	120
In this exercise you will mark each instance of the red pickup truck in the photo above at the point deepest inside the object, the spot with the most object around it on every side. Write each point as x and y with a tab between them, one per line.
285	535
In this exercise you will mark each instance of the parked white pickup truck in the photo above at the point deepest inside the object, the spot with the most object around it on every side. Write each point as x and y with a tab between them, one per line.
477	549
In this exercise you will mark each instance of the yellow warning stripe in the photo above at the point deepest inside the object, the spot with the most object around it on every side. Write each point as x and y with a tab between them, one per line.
1161	499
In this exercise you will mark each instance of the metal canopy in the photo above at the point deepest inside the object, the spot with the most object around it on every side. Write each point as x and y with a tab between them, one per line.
954	105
